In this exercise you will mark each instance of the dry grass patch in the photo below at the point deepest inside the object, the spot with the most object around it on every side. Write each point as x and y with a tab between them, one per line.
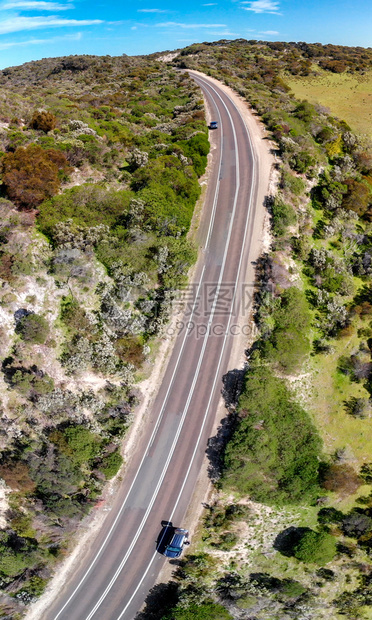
348	96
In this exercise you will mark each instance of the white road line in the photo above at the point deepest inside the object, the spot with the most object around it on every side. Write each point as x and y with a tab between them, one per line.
214	382
191	392
164	402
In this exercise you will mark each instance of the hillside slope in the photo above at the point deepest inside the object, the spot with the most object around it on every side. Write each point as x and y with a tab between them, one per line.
100	159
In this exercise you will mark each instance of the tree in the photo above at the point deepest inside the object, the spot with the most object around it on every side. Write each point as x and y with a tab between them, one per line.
33	328
32	174
356	524
316	548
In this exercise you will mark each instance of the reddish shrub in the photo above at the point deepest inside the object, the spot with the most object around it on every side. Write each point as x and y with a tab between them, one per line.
17	477
43	121
31	174
341	478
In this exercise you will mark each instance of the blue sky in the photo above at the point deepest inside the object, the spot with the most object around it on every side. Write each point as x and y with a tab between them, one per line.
33	29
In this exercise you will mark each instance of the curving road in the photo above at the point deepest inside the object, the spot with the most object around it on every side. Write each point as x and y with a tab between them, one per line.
122	565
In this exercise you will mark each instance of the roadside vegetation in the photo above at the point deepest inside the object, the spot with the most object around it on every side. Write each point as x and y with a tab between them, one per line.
100	159
287	533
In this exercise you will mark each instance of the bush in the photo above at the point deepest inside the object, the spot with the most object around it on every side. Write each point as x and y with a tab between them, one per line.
33	328
199	611
289	344
77	442
32	174
16	554
17	476
358	197
273	453
30	382
226	541
358	407
330	515
316	548
111	465
130	349
366	473
341	478
197	148
43	121
33	588
302	161
283	216
87	205
292	183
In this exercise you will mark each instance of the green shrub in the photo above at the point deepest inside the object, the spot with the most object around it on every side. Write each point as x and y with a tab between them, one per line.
227	541
33	328
30	382
86	205
302	161
289	344
200	611
316	547
16	554
292	183
283	216
77	442
197	148
111	464
34	587
273	453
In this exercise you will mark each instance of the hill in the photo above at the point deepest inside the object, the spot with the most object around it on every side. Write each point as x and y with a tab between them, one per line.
100	159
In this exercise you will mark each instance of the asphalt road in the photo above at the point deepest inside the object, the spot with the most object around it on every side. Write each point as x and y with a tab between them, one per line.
122	564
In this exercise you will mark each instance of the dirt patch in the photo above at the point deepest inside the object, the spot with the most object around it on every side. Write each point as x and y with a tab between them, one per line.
168	57
4	505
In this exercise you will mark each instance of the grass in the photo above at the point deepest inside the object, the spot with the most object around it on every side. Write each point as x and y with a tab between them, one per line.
330	388
348	96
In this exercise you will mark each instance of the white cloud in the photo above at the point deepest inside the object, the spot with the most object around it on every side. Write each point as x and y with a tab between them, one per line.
226	33
183	25
53	40
150	11
134	28
36	5
262	6
19	23
210	4
269	32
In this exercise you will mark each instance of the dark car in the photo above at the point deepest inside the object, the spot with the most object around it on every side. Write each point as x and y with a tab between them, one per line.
174	548
213	125
171	540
